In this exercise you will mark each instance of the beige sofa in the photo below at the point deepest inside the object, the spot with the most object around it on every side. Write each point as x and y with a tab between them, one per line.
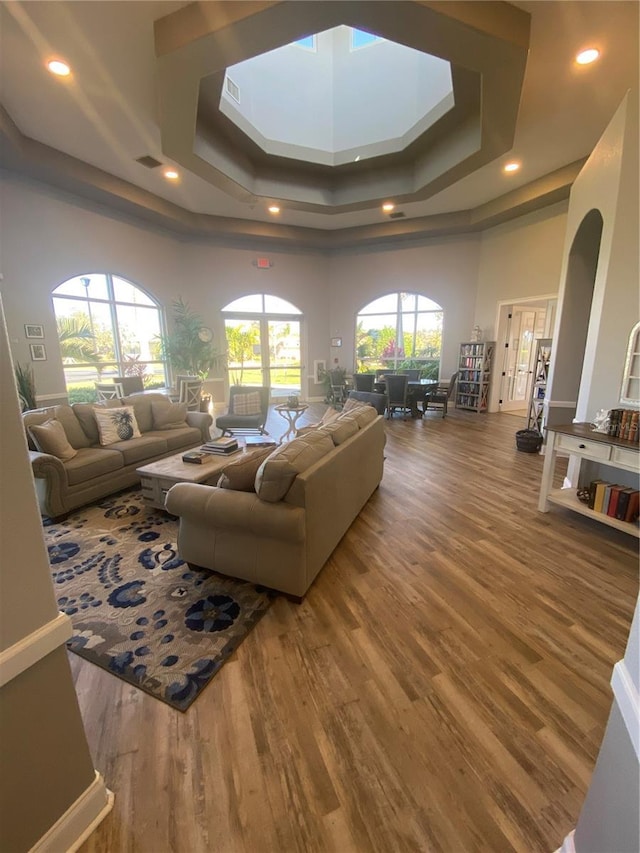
282	540
90	471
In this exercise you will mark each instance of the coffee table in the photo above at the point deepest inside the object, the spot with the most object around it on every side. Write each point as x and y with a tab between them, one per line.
157	478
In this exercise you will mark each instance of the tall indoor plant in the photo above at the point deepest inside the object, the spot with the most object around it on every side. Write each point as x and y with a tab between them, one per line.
188	346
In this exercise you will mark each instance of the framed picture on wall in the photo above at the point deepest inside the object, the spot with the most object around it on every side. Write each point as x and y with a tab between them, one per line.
38	352
336	342
34	330
319	369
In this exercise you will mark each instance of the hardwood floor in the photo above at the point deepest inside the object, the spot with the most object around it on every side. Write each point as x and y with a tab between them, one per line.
443	687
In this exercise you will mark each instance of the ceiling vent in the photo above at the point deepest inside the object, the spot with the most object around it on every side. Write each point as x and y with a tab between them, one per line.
397	215
148	161
233	90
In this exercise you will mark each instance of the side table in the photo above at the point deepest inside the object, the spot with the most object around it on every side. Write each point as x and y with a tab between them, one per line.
291	415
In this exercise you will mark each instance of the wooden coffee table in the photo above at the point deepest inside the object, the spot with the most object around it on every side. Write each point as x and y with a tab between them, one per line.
157	478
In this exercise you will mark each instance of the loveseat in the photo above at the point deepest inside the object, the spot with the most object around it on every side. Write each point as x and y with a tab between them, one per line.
75	460
303	499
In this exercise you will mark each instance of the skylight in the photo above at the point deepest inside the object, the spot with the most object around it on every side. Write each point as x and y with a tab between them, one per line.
316	104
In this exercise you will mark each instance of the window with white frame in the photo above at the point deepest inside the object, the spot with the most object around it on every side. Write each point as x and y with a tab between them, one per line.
107	326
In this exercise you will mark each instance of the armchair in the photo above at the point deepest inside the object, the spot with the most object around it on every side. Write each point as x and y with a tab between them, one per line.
248	410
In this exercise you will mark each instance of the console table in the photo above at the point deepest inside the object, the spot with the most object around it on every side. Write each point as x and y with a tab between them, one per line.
581	441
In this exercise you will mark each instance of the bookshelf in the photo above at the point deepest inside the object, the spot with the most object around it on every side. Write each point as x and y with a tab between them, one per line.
535	415
581	441
475	365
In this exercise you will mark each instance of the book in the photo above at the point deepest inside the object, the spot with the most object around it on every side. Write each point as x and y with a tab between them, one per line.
592	492
223	443
606	498
218	451
194	457
259	441
600	490
613	500
633	427
632	506
623	503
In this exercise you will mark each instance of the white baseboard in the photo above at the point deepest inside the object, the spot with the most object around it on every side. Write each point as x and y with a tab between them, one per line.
628	700
568	845
79	821
32	648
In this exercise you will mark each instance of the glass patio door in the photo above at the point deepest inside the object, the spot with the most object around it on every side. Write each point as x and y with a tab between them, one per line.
264	351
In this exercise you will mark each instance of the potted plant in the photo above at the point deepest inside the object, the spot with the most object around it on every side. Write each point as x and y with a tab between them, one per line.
26	386
188	346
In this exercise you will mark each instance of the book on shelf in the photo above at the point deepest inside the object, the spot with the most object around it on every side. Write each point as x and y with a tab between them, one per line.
606	498
592	493
194	457
613	500
633	506
601	488
623	503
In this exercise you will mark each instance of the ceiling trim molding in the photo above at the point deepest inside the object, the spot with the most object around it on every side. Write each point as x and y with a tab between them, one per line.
25	157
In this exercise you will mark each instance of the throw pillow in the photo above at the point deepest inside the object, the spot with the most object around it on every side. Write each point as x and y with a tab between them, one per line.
362	415
340	430
350	404
241	474
51	438
116	425
279	470
246	404
168	415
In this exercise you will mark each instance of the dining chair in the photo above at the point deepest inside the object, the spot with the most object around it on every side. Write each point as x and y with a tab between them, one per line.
191	393
397	397
337	387
439	396
382	372
109	391
364	381
130	384
412	373
176	392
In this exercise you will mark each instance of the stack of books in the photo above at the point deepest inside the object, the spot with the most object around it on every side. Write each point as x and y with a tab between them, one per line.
259	441
220	446
623	423
614	500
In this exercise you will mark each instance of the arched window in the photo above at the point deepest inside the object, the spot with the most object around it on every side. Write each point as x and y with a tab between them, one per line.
264	343
631	378
107	327
400	330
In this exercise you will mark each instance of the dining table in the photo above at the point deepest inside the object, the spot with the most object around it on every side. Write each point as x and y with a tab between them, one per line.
416	390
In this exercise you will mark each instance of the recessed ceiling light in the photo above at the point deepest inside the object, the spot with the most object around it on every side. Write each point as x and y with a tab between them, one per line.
586	57
58	67
273	208
511	167
388	206
171	174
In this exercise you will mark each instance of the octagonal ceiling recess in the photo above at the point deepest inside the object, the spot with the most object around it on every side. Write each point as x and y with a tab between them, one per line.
329	101
487	55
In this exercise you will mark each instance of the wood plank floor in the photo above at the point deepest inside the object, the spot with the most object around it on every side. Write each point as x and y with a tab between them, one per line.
443	687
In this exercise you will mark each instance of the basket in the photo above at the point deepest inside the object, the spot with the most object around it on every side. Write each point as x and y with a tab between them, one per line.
528	440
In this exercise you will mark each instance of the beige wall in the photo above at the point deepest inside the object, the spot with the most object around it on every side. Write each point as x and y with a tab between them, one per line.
520	259
48	238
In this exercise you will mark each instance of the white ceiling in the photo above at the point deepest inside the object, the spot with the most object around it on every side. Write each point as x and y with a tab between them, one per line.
106	114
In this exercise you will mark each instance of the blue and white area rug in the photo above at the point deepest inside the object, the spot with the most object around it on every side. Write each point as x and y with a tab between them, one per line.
137	609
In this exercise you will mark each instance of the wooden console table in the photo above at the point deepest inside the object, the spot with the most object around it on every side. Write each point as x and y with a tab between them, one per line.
581	441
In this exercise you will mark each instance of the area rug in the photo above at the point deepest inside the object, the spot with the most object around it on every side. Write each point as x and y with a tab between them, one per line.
137	608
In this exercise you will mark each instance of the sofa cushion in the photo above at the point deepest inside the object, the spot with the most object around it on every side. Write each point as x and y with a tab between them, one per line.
247	404
362	415
117	425
280	468
178	439
142	404
350	404
240	476
140	449
85	413
340	430
91	462
50	437
72	427
168	415
329	417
